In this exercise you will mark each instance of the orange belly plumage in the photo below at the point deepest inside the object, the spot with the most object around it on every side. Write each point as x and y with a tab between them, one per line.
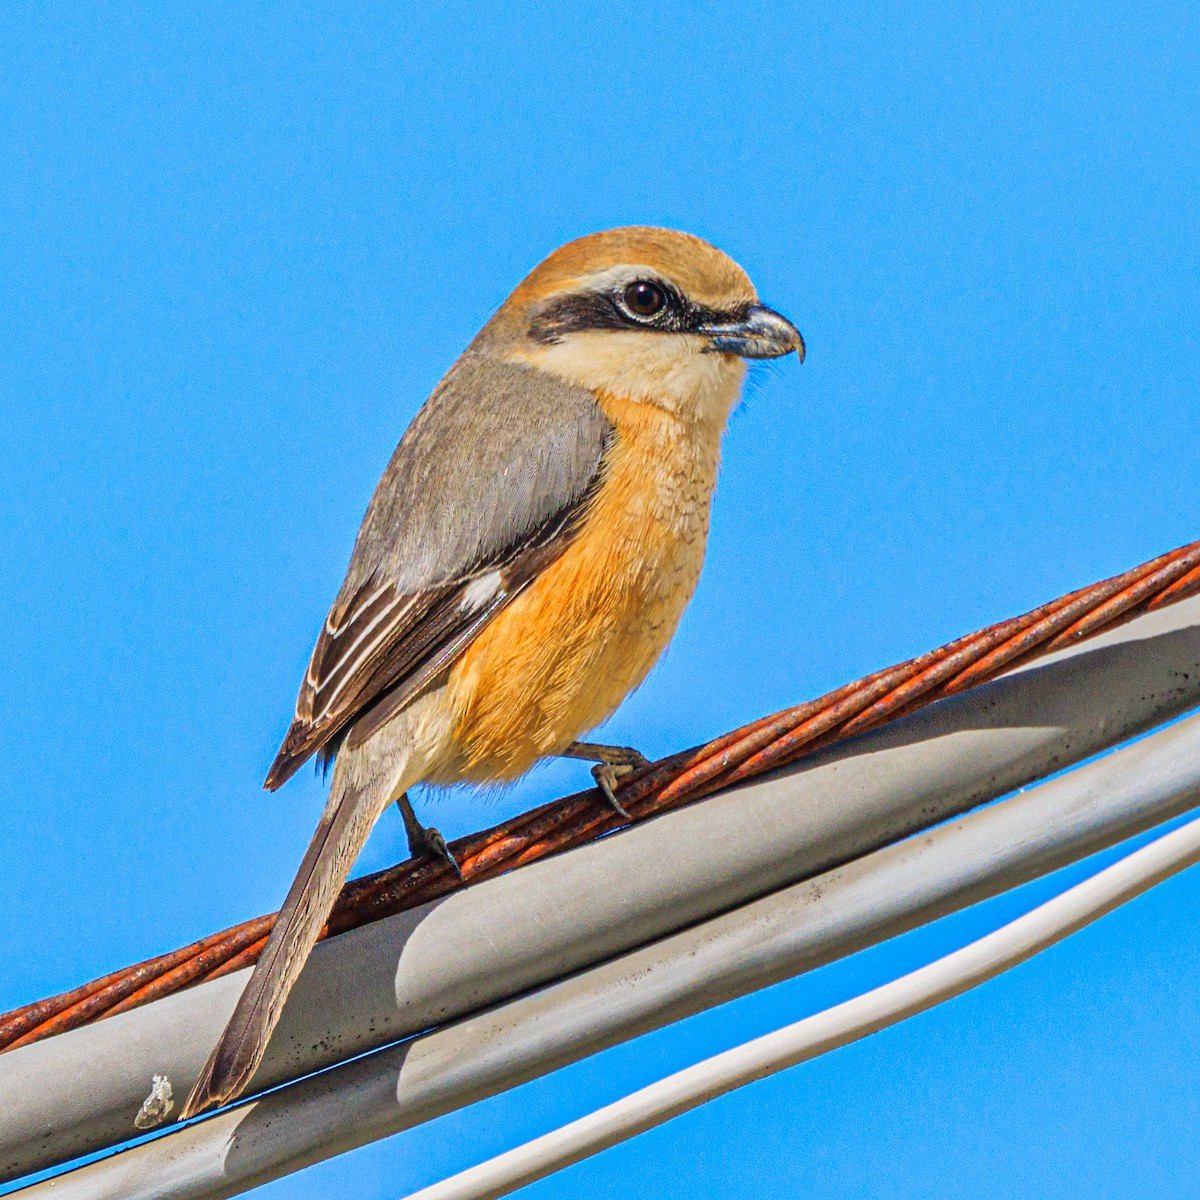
561	658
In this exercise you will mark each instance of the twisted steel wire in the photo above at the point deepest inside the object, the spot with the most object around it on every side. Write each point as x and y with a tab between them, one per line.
752	750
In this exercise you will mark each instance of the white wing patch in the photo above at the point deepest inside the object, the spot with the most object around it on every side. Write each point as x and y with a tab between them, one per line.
480	591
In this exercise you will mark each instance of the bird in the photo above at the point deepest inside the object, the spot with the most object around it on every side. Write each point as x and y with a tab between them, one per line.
523	563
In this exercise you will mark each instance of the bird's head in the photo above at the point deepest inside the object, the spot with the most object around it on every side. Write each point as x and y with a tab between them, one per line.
650	314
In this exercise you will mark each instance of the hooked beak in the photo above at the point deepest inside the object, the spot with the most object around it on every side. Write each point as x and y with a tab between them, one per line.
757	332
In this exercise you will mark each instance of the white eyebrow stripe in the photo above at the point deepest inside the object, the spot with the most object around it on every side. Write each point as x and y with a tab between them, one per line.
480	590
622	273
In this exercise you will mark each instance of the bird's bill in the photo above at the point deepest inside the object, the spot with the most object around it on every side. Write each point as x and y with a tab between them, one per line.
758	332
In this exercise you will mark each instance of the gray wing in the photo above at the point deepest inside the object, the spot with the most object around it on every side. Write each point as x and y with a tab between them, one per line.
486	488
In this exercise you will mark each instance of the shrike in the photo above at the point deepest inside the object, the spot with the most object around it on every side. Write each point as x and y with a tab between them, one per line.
523	563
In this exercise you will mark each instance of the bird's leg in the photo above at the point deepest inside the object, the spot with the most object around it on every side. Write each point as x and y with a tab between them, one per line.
424	839
612	763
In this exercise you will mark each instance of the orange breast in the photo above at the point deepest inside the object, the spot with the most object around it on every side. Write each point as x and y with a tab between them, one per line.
563	655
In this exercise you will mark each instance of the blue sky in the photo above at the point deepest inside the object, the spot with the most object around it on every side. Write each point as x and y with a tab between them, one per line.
239	246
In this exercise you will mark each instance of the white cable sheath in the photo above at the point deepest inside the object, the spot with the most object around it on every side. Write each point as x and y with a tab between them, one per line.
950	976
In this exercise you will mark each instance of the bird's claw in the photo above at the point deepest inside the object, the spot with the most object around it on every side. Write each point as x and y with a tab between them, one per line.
606	776
424	839
431	843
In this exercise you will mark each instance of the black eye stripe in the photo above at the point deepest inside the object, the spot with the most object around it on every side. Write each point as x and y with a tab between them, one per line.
575	313
578	312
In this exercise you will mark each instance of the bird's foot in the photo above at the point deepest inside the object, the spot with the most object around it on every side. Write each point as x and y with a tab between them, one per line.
424	840
613	763
607	777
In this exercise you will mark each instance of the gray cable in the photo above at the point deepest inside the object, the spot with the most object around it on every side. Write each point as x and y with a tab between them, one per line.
922	989
456	958
776	937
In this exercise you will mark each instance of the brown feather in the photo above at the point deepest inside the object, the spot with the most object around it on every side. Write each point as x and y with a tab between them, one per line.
382	646
338	838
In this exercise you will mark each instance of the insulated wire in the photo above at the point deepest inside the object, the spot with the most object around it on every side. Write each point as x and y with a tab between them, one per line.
831	1029
745	753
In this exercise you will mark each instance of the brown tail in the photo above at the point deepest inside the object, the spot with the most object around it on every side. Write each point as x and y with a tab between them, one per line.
344	827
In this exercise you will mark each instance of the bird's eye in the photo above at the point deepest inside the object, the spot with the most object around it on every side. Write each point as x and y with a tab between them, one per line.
645	299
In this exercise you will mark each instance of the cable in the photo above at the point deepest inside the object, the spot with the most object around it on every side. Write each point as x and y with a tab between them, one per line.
933	984
761	746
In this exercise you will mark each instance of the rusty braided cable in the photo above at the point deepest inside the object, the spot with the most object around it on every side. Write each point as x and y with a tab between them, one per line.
752	750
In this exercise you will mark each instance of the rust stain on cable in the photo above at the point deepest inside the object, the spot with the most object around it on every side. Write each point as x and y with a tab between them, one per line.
754	749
